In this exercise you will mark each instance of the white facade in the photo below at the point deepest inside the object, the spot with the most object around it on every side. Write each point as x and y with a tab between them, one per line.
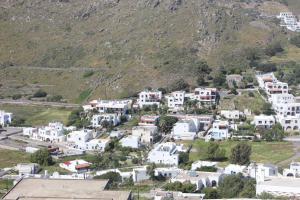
168	172
266	169
207	96
30	132
270	84
185	129
293	171
109	106
203	122
219	131
116	134
231	114
140	174
166	153
97	145
149	98
5	118
289	21
147	134
200	179
54	132
112	118
79	138
235	169
264	121
131	141
176	100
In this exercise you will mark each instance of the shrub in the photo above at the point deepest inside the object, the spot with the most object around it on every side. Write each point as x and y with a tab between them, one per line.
295	40
42	157
273	48
88	74
207	169
240	154
40	93
55	98
16	96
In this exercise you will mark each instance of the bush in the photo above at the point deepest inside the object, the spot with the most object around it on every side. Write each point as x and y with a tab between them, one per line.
295	40
88	74
207	169
240	154
178	186
180	84
214	152
210	193
42	157
39	94
16	96
113	177
273	48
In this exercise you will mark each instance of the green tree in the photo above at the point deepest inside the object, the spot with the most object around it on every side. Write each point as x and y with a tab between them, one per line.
42	157
166	123
230	186
150	171
267	109
40	93
210	193
276	133
183	157
214	152
296	40
219	79
240	154
249	190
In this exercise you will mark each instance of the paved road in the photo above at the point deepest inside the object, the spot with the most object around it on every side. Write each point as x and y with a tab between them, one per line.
38	103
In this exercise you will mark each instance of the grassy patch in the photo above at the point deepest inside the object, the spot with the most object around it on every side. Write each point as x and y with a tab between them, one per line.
38	115
243	101
9	158
265	152
5	185
83	95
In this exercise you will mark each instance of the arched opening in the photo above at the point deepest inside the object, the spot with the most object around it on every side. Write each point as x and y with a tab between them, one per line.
213	183
290	174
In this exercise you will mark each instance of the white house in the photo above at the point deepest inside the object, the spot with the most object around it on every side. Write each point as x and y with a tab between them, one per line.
176	100
54	132
293	171
200	179
131	141
165	153
78	139
219	131
185	129
147	134
112	118
168	172
109	106
149	98
202	122
78	166
231	114
206	96
5	118
264	121
267	169
97	145
148	120
116	134
235	169
140	174
30	132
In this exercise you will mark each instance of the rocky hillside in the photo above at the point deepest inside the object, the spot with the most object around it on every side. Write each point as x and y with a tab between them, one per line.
112	48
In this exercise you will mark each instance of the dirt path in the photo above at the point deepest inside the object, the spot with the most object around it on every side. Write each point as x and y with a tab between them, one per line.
38	103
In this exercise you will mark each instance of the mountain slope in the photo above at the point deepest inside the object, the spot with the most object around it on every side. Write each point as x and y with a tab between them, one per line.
129	44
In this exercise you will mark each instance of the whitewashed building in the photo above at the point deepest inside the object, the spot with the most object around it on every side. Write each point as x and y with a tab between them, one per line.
185	129
5	118
165	153
109	106
111	118
149	98
219	131
54	132
176	101
264	121
293	171
200	179
131	142
231	114
200	163
267	169
206	96
147	134
235	169
168	172
27	168
202	122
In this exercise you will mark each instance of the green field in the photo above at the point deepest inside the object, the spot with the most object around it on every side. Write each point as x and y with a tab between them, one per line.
10	158
5	185
243	101
265	152
38	115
